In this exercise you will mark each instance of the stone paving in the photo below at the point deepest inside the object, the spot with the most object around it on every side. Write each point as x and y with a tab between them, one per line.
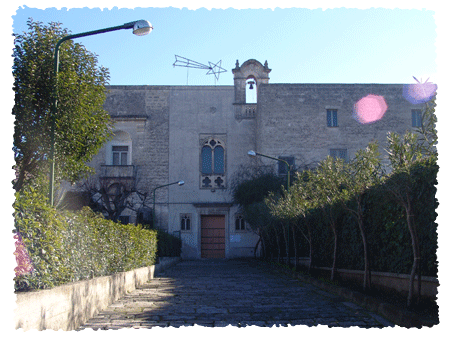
218	293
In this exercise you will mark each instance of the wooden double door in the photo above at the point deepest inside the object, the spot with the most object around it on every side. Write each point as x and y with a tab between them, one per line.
213	236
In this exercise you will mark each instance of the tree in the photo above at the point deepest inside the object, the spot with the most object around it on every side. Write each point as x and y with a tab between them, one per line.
250	188
82	125
403	152
362	173
328	181
112	198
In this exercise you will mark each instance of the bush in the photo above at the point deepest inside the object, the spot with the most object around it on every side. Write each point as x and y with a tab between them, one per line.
387	233
168	245
66	247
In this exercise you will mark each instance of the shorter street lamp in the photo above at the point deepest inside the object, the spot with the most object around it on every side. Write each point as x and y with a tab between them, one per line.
180	183
253	153
140	28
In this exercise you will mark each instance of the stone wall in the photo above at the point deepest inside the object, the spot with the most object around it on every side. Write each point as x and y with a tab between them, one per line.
292	119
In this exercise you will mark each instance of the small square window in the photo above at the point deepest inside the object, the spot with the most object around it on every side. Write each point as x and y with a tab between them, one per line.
339	153
332	118
240	223
185	222
416	117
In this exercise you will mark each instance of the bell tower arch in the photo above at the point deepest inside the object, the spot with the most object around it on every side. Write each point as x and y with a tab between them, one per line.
247	78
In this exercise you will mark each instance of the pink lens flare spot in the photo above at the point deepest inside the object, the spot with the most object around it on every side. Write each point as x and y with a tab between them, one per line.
370	108
14	259
419	92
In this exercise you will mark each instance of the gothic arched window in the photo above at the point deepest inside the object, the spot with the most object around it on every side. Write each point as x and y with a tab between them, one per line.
213	158
212	164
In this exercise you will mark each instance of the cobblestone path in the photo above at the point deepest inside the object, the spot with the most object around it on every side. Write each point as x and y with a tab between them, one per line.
217	293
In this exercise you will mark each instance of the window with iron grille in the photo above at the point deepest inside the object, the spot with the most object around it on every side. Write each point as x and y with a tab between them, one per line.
339	153
332	118
416	117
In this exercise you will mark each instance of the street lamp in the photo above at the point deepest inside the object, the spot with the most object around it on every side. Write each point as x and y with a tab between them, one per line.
140	27
180	183
253	153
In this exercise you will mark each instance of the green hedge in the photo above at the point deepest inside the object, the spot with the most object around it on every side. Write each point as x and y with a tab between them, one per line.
168	245
67	247
387	233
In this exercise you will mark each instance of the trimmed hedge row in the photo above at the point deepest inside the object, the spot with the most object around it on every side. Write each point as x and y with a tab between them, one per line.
387	233
168	245
66	247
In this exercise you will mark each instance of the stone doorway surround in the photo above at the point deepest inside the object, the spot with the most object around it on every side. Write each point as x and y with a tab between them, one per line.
213	237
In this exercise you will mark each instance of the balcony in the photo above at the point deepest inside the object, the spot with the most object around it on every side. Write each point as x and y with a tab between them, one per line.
125	175
245	111
117	172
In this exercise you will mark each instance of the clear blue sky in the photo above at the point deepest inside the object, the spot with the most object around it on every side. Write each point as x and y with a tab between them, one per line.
301	45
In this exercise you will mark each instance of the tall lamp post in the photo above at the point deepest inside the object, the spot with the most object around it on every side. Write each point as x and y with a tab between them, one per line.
253	153
140	27
154	191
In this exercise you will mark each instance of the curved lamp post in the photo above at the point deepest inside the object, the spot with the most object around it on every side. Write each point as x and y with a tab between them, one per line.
253	153
180	183
140	27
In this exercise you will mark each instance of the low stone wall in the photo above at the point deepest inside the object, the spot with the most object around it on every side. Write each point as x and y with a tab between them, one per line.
68	306
386	280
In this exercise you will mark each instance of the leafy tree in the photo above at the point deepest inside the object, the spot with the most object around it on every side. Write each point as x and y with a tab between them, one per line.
362	173
404	151
249	191
82	126
328	182
292	207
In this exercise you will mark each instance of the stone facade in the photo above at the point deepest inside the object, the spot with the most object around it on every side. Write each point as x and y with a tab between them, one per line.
201	135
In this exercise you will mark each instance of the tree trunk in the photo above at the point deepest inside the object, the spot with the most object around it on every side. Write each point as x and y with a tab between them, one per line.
333	268
295	249
367	281
278	246
310	250
415	247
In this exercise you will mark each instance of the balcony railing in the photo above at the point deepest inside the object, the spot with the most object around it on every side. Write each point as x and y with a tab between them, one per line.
245	111
117	171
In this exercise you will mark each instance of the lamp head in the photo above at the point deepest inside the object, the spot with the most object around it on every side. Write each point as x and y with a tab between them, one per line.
180	182
142	27
251	153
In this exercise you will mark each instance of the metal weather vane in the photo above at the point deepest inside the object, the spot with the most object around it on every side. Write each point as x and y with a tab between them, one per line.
213	68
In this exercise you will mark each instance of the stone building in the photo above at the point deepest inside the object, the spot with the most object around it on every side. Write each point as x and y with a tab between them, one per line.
202	134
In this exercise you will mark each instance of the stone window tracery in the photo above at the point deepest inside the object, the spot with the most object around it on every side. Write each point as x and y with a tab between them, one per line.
212	164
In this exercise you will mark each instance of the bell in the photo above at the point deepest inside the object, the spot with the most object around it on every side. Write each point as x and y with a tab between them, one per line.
251	83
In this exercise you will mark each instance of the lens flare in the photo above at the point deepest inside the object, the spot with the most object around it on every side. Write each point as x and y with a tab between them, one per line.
14	259
419	92
369	109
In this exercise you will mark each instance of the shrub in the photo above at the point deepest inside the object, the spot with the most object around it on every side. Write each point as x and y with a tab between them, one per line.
66	247
168	245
